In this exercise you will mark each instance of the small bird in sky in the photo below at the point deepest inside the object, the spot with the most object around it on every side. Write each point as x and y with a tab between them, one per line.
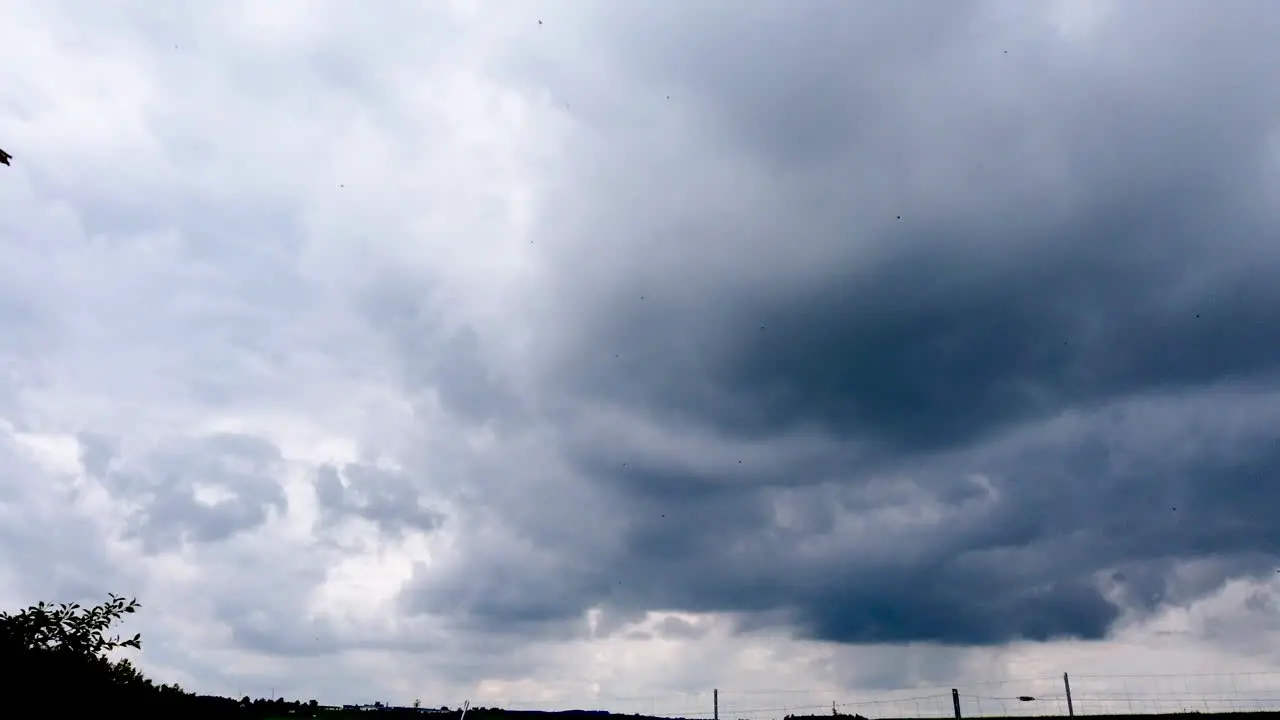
5	157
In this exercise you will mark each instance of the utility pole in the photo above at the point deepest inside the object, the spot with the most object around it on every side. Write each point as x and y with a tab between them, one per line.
715	704
1071	710
955	701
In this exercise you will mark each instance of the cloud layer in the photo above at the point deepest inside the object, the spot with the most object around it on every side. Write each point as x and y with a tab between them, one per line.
647	348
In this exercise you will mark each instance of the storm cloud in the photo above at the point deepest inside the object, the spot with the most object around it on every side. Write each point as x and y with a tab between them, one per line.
906	248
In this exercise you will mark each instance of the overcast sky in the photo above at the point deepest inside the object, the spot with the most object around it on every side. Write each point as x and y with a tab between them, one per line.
578	352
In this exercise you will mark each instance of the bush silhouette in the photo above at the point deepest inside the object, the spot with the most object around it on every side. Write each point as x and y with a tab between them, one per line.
57	656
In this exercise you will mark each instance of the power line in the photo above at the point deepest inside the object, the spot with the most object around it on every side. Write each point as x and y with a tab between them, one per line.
1093	694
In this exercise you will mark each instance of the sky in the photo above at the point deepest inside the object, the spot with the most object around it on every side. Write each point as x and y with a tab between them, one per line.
575	354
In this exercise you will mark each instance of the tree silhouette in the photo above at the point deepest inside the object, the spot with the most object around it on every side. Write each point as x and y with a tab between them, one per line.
67	628
57	657
66	646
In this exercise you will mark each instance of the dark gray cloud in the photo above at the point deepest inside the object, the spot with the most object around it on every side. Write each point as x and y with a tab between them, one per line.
197	490
1003	300
444	364
96	453
376	494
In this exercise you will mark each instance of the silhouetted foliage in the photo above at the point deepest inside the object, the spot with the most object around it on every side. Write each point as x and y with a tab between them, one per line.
68	644
59	654
68	628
